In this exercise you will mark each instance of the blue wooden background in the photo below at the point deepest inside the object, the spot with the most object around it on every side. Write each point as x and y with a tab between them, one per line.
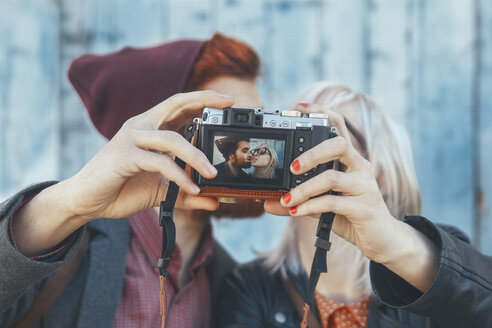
428	62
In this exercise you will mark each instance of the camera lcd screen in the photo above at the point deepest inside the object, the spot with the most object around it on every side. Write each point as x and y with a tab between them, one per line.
248	158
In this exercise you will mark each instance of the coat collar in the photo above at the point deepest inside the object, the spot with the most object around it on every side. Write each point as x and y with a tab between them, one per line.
107	258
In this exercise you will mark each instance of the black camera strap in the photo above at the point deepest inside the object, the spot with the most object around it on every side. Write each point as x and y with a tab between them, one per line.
319	265
322	245
166	221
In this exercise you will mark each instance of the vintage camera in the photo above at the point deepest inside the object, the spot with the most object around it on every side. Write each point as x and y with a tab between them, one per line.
252	150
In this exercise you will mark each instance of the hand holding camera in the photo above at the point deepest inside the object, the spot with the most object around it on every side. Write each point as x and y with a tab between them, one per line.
128	175
252	150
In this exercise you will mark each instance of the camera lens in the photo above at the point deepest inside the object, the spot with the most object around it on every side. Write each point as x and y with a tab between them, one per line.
241	117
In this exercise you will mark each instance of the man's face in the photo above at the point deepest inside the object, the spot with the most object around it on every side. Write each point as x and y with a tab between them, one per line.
242	156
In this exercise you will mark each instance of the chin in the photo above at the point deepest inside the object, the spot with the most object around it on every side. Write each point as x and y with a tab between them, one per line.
246	208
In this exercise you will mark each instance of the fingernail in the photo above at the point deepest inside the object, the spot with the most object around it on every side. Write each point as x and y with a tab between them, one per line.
304	104
212	170
286	198
296	165
293	210
196	189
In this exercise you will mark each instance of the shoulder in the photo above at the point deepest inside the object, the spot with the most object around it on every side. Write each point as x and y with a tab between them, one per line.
252	296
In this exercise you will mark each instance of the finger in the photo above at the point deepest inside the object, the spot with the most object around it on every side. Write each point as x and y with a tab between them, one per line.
333	180
337	148
153	162
341	205
185	106
172	142
274	207
336	119
192	202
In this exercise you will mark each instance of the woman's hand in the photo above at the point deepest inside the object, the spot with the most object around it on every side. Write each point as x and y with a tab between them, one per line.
362	217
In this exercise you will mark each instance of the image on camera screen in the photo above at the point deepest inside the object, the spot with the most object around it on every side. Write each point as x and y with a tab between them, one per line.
248	159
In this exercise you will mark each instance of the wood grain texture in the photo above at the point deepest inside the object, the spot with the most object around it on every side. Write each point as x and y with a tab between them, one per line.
388	71
441	109
29	87
344	49
419	59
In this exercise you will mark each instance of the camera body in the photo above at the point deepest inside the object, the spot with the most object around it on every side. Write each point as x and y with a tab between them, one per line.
252	150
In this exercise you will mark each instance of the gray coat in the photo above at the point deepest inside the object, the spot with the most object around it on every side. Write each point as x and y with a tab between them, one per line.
92	296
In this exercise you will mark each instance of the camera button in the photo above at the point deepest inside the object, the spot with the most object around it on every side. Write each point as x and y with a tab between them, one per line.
273	123
300	149
298	181
285	124
301	139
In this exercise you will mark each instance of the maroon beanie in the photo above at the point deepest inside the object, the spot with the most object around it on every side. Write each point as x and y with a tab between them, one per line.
120	85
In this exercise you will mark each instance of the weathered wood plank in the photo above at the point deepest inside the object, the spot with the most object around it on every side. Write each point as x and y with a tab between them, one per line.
294	55
388	24
485	121
441	109
28	93
190	19
344	42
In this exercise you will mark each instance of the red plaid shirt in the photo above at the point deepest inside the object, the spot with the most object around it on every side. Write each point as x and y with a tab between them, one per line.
139	304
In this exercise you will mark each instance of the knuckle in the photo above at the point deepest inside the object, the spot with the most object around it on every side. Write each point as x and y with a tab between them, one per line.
330	177
339	143
338	118
311	158
171	136
209	93
129	123
175	100
299	191
368	166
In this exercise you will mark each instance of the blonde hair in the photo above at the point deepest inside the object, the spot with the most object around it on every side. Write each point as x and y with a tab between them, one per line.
386	145
270	172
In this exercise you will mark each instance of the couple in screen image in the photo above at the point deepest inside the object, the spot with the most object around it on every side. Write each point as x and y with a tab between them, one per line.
240	154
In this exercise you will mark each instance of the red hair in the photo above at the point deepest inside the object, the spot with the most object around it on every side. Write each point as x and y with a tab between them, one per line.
223	56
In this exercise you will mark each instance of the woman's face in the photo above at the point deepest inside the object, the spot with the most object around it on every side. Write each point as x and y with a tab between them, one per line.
261	157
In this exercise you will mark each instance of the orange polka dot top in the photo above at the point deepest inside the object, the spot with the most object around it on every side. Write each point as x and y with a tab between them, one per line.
339	315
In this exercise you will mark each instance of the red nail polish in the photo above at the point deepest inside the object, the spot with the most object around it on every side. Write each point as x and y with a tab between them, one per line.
296	165
293	210
286	198
304	104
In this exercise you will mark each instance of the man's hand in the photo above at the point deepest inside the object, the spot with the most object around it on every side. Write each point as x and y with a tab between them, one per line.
128	175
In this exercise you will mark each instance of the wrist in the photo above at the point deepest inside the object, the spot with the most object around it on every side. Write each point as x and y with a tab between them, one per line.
45	221
414	257
60	203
